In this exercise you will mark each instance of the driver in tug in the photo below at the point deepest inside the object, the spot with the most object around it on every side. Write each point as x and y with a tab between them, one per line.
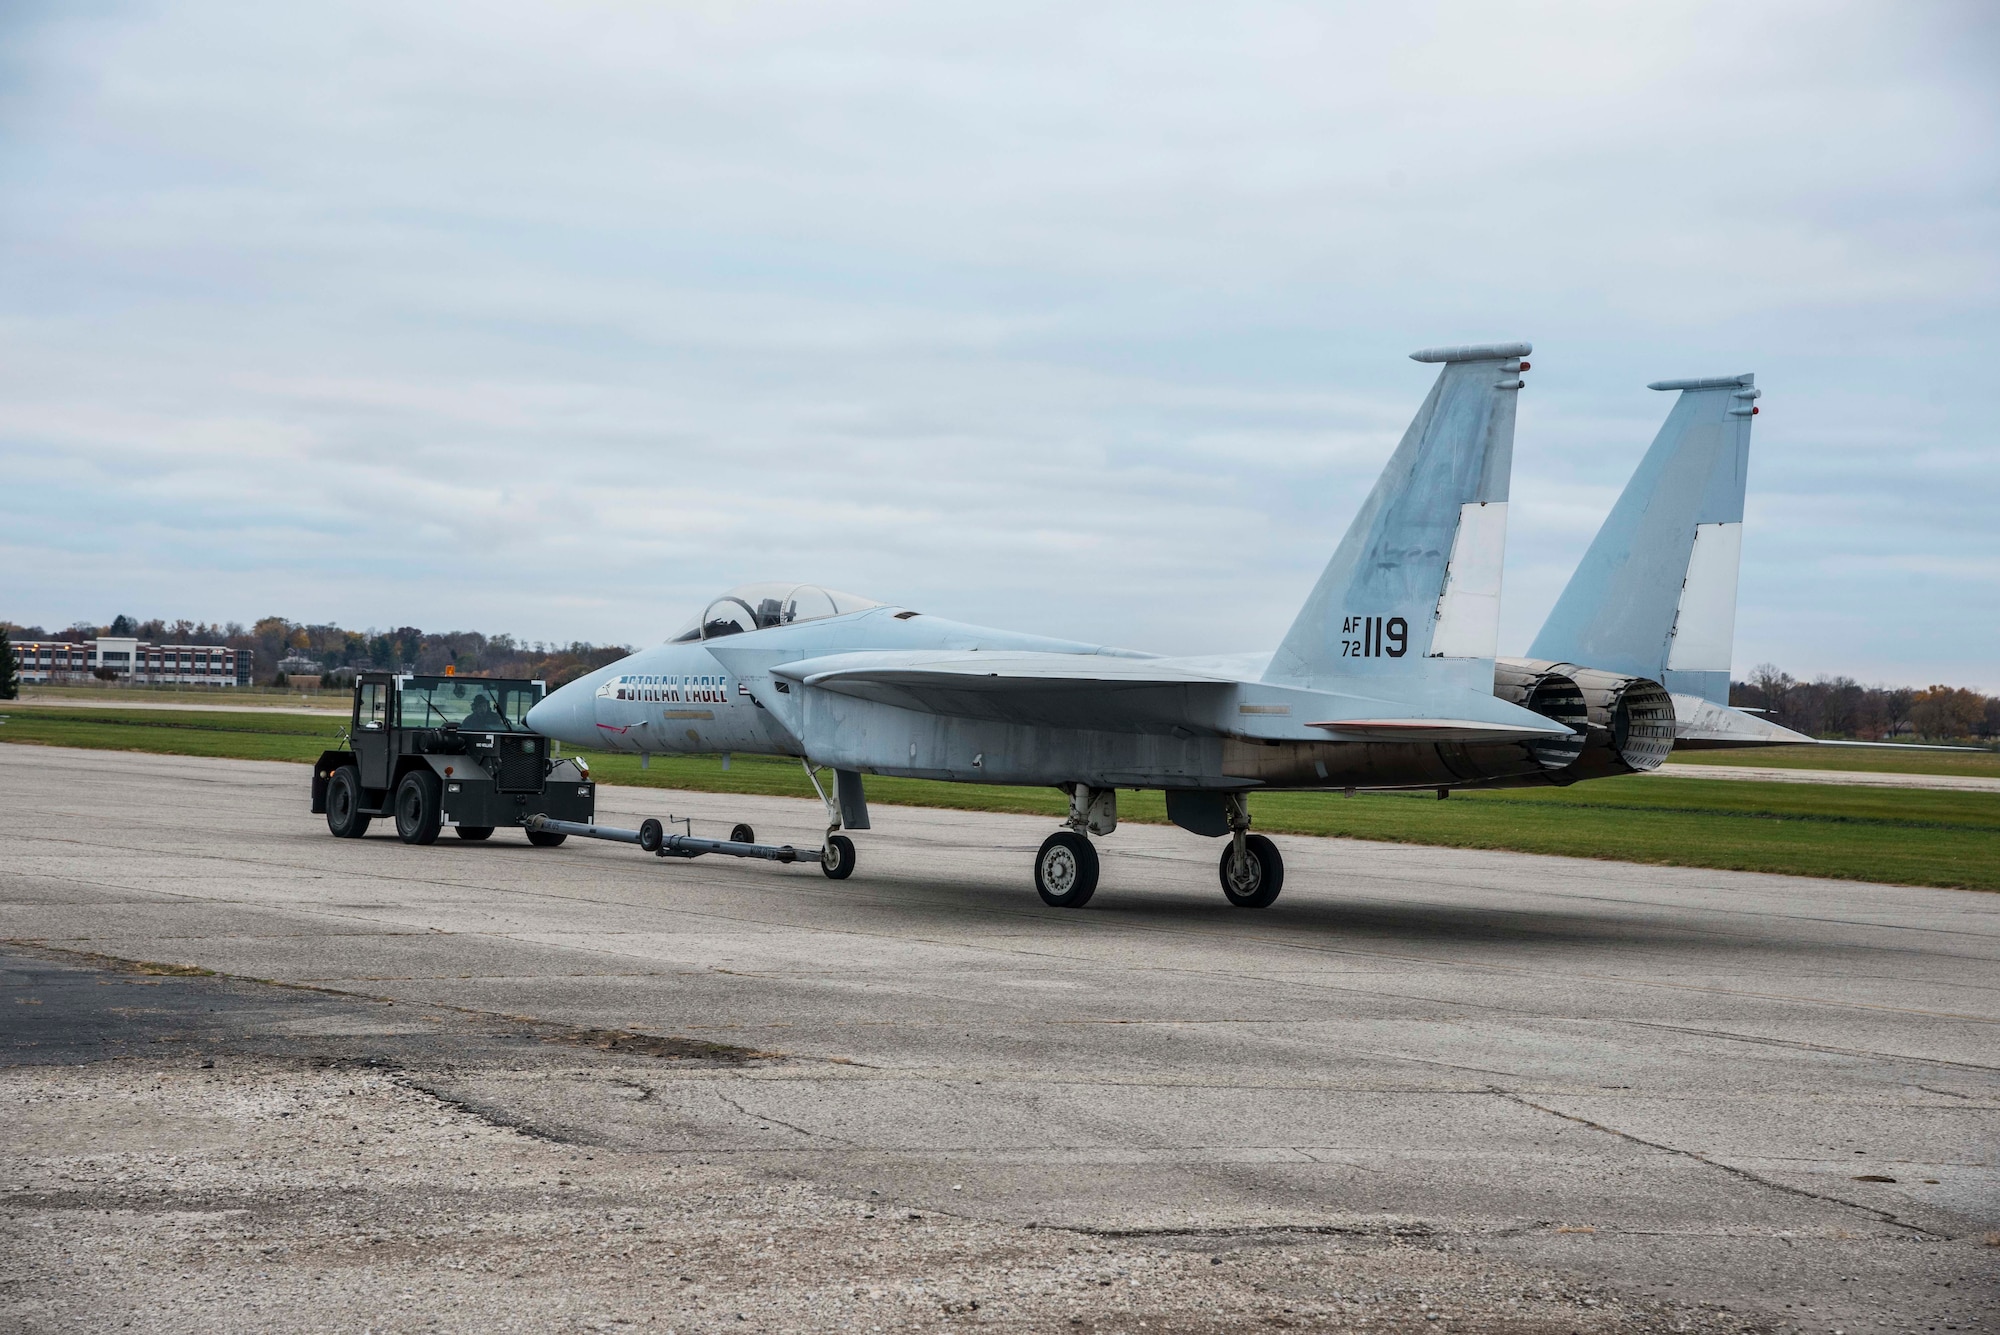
484	718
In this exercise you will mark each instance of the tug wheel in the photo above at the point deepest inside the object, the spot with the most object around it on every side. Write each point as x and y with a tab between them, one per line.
1066	870
473	833
419	815
343	804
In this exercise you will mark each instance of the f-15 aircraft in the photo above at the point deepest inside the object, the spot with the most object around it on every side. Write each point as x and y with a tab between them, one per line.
1654	598
1385	680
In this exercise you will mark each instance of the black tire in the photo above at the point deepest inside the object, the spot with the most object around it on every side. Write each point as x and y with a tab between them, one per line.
546	838
473	833
343	804
838	859
419	808
651	835
742	834
1066	870
1257	884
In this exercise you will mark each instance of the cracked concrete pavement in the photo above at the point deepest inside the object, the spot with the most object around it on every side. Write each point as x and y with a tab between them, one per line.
1678	1098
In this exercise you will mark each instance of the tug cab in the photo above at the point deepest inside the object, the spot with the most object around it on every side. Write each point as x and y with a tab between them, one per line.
433	752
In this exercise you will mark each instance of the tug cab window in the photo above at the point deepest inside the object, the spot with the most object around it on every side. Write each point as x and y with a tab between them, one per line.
371	707
475	704
762	606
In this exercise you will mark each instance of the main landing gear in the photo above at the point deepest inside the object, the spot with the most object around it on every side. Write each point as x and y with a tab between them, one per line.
1252	872
1066	866
1066	870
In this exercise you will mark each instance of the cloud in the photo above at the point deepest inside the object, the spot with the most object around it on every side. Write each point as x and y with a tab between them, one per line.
556	318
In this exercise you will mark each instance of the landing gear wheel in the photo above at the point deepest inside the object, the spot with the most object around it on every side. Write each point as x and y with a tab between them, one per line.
1255	883
1066	870
546	838
742	834
419	814
473	833
838	859
343	804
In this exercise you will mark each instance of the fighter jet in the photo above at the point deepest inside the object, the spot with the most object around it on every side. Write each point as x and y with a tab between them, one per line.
1654	598
1385	679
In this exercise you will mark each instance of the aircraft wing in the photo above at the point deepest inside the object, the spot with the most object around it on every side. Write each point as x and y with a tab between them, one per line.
1063	690
1123	694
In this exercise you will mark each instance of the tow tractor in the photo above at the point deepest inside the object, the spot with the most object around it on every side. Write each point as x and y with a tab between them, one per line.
437	752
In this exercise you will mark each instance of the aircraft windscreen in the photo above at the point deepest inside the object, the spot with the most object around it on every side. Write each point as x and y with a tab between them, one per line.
760	606
473	703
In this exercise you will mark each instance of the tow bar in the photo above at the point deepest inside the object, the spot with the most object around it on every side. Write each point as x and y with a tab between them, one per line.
653	837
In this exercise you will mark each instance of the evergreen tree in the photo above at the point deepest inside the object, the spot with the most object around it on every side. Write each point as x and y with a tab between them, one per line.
10	668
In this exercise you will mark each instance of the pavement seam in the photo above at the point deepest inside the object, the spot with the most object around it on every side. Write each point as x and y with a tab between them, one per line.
482	1112
1801	1045
779	1121
1744	1173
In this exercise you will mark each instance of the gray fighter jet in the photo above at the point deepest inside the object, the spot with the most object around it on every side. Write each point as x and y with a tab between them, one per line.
1385	679
1654	598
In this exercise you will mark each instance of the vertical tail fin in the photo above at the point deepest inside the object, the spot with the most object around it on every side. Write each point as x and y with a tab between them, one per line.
1412	594
1655	596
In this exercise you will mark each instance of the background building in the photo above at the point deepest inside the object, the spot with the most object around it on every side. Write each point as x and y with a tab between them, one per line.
132	660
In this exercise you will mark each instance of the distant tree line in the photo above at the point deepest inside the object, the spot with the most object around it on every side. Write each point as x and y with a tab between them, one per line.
338	650
1843	708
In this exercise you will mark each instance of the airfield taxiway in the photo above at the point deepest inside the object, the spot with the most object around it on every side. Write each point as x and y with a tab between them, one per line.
1679	1098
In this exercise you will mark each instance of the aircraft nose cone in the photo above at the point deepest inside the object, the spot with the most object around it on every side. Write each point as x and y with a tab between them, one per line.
570	715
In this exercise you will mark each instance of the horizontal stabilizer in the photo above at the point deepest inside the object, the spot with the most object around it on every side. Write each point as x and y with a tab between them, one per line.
1701	724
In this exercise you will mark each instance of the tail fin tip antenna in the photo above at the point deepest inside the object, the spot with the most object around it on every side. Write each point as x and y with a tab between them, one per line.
1472	352
1707	382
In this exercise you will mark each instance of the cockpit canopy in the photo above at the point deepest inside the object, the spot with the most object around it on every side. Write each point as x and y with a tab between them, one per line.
759	606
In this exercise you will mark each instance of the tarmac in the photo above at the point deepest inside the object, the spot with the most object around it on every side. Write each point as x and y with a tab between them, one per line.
1428	1089
1962	783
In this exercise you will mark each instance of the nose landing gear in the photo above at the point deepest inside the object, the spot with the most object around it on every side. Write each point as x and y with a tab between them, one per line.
846	808
836	859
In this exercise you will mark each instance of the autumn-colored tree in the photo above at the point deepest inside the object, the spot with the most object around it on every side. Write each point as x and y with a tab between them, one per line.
1946	711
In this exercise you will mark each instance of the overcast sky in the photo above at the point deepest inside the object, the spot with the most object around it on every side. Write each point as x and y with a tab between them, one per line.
1090	320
